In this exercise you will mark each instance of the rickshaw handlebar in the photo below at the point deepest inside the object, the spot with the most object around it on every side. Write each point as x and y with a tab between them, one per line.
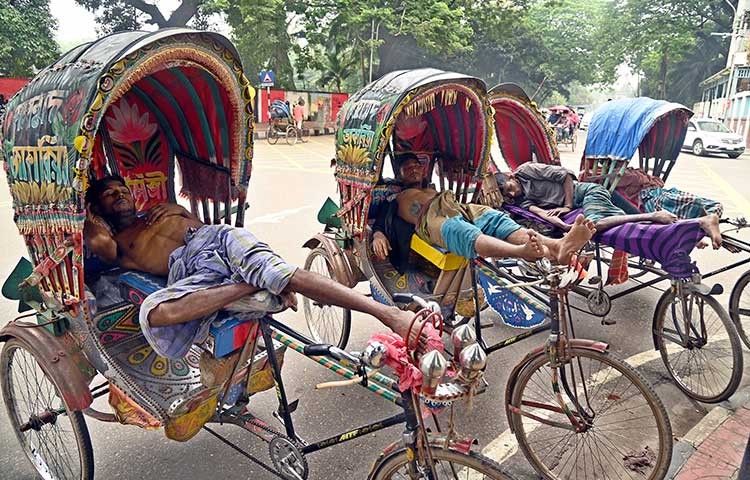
326	350
410	297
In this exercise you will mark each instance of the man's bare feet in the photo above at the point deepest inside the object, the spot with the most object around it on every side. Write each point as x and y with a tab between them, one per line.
579	234
533	248
710	225
664	217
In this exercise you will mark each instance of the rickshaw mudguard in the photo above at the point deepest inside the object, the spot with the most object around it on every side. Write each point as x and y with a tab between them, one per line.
582	343
63	362
459	445
342	267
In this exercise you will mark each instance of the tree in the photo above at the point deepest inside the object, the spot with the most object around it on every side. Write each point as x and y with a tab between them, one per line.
388	33
118	15
260	31
336	67
26	37
672	45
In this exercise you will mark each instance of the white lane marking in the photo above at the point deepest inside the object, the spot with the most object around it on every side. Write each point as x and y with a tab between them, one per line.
505	445
277	217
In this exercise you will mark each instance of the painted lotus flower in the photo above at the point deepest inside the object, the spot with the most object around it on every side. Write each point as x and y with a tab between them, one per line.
127	125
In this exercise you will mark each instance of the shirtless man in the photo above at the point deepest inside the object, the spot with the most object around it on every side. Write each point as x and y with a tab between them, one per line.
472	230
209	267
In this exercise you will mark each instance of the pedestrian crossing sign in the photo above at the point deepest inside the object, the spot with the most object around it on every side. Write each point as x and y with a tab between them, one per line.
266	78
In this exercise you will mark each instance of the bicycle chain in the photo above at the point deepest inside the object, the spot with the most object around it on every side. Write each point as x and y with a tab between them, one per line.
255	460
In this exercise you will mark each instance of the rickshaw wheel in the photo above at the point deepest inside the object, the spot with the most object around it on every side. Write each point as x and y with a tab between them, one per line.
291	135
272	135
327	323
56	440
304	134
739	307
709	368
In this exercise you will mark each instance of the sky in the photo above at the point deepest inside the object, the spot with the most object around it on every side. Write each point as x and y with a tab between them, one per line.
76	25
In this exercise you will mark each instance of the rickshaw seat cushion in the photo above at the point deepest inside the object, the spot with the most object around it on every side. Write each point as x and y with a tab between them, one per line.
226	333
438	256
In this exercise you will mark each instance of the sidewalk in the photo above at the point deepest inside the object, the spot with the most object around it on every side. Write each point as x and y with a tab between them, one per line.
714	448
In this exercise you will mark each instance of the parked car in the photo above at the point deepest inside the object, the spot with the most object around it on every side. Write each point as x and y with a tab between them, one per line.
706	135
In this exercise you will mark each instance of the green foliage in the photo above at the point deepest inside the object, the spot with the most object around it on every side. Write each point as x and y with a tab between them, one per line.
26	37
670	42
260	32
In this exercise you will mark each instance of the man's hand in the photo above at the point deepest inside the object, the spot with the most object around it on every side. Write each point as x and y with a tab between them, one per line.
556	212
290	299
380	245
164	210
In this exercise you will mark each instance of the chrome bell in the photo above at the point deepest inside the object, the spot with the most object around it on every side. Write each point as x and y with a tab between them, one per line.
462	337
433	366
374	355
473	359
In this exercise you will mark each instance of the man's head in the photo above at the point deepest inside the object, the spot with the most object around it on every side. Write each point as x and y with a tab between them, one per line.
110	197
509	185
410	169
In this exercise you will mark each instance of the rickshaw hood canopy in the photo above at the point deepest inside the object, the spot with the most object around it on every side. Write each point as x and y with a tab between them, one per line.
619	127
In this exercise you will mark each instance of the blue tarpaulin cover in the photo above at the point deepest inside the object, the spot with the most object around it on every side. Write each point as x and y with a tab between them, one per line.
618	127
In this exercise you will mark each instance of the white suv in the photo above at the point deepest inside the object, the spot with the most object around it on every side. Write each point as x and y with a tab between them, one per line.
706	135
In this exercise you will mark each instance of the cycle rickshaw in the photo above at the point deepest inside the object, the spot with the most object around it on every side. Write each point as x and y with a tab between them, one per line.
281	124
698	342
446	119
565	133
141	105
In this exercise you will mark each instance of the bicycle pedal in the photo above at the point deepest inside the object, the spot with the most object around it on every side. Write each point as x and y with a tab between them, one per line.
607	321
595	280
278	414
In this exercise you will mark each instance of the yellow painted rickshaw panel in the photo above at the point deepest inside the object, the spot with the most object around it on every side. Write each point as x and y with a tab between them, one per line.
444	261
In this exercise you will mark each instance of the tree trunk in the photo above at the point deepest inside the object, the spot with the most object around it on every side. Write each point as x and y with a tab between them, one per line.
663	76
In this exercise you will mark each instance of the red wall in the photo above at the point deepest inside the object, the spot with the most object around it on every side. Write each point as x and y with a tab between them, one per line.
9	86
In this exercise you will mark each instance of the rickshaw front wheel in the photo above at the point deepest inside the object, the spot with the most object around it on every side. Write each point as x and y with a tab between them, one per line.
291	135
327	323
739	307
272	135
55	439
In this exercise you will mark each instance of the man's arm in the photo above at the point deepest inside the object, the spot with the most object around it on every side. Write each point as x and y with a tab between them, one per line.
553	219
380	244
98	238
164	210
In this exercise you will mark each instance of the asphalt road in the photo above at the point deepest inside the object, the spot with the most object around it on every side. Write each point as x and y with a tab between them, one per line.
288	185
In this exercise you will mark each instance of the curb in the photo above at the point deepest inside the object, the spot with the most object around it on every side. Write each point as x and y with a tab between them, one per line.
713	421
261	134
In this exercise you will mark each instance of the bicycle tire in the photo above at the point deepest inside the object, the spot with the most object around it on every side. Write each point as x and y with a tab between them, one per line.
739	307
672	352
325	329
291	135
655	429
392	463
271	135
19	362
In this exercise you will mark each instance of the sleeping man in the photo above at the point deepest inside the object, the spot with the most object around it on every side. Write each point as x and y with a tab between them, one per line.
471	230
209	268
551	191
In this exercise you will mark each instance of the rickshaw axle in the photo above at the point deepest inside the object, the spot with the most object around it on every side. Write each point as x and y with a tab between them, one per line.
36	422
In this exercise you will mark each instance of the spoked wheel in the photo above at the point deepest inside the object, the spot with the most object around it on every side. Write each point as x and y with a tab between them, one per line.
291	135
272	136
304	134
448	464
327	323
706	360
55	439
739	307
624	429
